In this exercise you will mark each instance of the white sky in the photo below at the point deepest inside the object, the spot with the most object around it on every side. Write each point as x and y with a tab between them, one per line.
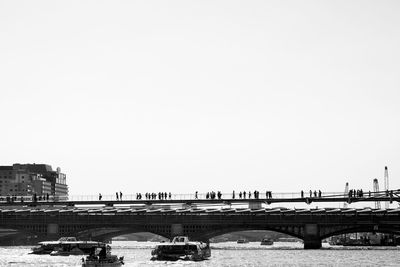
202	95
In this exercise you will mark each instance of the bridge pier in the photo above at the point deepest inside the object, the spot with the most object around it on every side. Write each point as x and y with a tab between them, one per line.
176	229
312	243
312	239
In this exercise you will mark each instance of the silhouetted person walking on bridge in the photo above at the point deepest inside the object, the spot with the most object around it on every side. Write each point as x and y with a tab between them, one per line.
120	195
116	195
256	194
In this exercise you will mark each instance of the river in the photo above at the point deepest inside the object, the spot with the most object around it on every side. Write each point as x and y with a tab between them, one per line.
224	254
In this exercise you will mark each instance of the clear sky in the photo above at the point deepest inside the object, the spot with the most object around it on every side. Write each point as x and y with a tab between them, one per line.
202	95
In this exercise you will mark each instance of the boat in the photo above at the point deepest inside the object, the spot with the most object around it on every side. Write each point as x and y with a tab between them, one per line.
101	257
65	246
181	249
242	241
364	240
267	242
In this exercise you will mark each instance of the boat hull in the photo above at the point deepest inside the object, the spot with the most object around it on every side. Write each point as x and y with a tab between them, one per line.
101	264
169	257
267	243
108	261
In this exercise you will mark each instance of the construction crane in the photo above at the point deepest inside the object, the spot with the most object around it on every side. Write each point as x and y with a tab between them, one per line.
386	185
376	193
346	194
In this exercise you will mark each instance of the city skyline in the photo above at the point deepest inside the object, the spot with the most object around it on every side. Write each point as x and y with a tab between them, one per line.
199	96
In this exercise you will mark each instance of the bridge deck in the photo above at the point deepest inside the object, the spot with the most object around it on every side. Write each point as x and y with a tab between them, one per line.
270	211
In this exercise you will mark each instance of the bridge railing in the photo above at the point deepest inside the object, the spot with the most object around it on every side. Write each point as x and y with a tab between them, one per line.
169	196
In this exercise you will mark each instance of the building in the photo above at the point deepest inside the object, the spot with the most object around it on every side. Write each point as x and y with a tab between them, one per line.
30	179
6	178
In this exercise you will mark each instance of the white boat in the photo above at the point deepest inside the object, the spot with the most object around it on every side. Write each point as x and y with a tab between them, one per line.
101	257
267	242
242	241
181	249
65	246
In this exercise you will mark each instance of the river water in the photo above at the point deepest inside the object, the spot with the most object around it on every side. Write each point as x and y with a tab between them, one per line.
224	254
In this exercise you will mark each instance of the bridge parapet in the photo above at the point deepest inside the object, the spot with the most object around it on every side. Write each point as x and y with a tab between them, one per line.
180	197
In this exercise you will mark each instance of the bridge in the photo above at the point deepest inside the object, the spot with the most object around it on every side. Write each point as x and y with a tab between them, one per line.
200	219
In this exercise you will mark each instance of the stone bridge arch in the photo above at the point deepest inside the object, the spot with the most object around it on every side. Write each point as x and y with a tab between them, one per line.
106	233
294	231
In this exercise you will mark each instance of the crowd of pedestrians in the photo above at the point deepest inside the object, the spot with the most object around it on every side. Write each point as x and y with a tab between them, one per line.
241	195
32	198
211	195
154	196
148	196
11	199
356	193
312	194
120	196
139	196
248	195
